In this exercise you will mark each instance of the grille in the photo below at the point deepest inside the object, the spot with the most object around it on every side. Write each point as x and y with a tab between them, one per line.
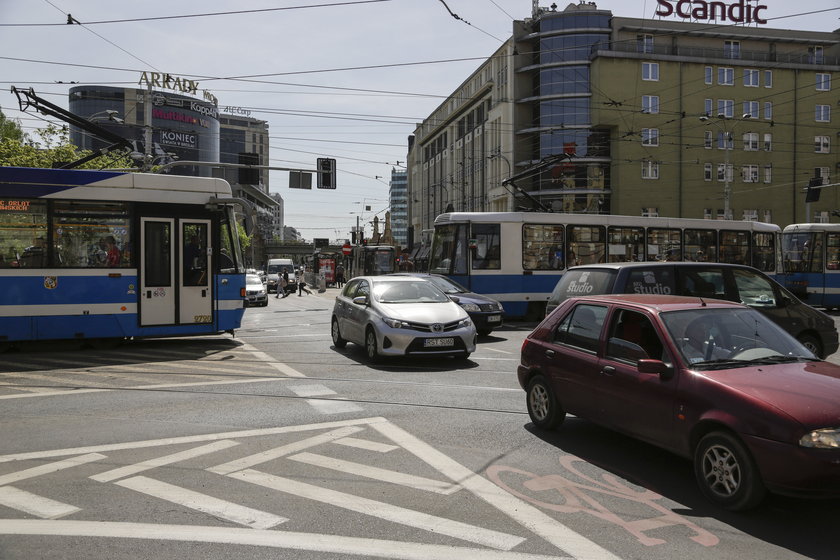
428	328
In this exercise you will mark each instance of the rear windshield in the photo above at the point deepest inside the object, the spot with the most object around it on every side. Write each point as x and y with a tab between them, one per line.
658	280
582	283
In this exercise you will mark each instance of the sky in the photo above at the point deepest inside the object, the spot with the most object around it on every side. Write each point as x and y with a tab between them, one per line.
344	79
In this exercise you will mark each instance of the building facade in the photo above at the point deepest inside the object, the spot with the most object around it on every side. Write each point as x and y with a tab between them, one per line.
581	111
398	196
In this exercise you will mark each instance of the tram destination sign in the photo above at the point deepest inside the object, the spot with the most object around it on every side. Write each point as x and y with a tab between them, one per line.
742	11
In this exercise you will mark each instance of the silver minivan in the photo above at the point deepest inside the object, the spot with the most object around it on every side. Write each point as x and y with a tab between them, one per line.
732	282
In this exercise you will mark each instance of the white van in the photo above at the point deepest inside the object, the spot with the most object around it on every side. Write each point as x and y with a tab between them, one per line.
275	270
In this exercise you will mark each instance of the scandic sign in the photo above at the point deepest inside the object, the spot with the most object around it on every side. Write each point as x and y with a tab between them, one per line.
741	11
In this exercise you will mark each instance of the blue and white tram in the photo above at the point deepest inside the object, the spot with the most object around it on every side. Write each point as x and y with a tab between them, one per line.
811	263
518	257
105	255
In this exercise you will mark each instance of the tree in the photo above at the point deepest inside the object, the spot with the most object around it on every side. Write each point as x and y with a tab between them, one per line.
52	146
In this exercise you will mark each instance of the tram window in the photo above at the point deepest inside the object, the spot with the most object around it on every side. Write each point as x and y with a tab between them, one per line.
794	249
625	244
91	234
734	247
664	244
832	248
542	247
700	245
194	250
156	260
443	245
764	251
587	245
23	233
485	246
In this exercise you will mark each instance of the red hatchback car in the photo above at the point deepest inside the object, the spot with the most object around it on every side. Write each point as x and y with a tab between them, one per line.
709	380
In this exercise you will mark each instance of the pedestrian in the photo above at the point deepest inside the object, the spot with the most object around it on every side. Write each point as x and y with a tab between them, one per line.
339	276
284	282
302	284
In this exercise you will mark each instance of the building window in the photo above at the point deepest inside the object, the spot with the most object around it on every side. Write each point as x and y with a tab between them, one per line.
726	107
822	144
707	139
650	170
725	141
650	212
749	173
644	43
708	106
751	141
768	110
823	113
768	142
732	49
726	76
707	172
768	78
750	77
823	82
768	173
750	215
650	71
650	104
708	75
751	109
815	55
650	137
724	172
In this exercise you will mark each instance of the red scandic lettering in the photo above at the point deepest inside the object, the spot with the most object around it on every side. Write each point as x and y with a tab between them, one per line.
665	9
575	499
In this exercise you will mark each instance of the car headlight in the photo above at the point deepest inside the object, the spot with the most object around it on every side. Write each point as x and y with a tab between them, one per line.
470	307
394	323
499	305
827	438
464	323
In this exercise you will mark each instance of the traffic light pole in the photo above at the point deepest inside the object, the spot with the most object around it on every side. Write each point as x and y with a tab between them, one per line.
812	194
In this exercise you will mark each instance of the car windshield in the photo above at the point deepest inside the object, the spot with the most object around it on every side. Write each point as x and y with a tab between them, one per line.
253	279
721	338
448	286
408	292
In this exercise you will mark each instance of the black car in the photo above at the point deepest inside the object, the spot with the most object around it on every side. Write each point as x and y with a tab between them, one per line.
485	312
732	282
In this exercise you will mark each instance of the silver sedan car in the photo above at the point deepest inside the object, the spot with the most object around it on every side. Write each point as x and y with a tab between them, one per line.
399	316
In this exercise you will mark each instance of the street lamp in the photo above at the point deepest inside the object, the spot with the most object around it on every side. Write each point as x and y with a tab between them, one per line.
727	140
106	115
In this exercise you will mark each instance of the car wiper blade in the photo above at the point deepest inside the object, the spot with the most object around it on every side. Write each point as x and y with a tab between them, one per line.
721	362
779	359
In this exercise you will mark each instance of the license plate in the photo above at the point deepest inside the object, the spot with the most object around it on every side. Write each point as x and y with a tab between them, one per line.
494	318
437	342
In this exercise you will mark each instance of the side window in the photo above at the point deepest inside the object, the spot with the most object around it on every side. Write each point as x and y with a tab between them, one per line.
633	338
583	283
658	280
755	290
582	327
350	289
703	282
363	289
486	246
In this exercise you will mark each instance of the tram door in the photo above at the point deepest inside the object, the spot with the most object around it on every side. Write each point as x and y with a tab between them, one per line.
175	272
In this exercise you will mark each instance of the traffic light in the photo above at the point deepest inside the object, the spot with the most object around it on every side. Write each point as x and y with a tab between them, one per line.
813	192
326	173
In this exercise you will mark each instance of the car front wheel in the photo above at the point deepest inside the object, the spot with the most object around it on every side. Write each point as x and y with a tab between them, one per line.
338	341
543	408
811	343
726	472
370	346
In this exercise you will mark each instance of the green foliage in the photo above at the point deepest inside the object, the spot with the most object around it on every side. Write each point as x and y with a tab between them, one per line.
244	238
52	145
10	129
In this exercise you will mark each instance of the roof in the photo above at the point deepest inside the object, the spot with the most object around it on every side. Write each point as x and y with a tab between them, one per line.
654	264
661	303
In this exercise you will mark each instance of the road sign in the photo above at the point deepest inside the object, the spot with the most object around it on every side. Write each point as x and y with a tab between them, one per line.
346	249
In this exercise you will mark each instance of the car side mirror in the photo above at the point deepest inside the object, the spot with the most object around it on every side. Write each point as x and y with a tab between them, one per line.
360	300
456	299
658	367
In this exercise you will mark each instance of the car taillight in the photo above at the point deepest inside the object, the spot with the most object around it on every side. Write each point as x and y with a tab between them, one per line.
242	292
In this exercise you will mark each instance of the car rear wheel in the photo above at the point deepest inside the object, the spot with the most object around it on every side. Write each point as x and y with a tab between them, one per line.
370	346
338	342
726	472
811	343
543	408
484	332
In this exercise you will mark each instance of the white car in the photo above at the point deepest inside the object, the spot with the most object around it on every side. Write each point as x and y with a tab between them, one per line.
255	291
401	316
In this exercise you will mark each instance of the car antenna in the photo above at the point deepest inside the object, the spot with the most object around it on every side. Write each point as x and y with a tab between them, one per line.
702	303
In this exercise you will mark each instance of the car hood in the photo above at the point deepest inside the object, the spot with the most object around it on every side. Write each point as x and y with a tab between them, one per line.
444	312
472	297
808	392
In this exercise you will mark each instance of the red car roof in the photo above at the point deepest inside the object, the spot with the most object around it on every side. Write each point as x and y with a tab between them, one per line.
661	303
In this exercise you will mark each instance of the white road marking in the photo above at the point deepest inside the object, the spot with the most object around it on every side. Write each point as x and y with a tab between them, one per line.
130	470
375	473
202	502
19	387
49	468
530	517
333	406
55	380
283	450
496	350
311	390
382	510
33	504
365	444
285	369
190	439
326	544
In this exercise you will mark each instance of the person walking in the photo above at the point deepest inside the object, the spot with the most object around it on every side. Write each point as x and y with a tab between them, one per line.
339	276
302	284
284	281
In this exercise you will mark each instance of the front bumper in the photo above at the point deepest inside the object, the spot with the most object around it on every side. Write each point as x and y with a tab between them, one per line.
410	342
797	471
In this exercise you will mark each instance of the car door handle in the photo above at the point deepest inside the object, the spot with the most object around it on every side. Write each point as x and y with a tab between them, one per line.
608	370
549	353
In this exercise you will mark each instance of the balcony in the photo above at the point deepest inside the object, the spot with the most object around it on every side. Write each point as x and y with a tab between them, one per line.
704	53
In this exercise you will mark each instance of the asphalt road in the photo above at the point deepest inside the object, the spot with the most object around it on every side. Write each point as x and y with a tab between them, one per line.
274	444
